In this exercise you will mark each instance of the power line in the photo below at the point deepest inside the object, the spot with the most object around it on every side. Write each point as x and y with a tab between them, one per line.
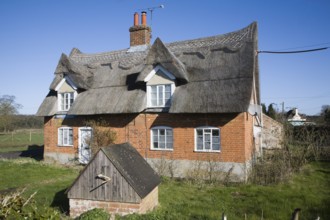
295	51
306	46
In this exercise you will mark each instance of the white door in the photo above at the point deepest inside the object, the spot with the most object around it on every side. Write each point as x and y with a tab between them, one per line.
85	140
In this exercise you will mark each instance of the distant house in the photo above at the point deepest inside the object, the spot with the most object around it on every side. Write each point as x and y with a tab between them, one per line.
295	119
118	180
181	102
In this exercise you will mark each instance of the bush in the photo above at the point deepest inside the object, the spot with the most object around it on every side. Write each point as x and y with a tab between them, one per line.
94	214
103	135
15	206
300	145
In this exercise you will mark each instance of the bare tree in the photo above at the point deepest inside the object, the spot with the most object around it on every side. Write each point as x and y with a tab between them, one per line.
8	108
103	134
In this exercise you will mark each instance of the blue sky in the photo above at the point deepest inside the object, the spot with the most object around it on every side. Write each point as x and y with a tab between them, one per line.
34	34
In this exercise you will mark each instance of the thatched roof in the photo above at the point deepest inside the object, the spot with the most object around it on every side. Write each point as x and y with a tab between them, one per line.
213	75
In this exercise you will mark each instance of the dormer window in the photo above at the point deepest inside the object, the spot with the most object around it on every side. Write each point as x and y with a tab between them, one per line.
66	94
160	95
66	100
160	88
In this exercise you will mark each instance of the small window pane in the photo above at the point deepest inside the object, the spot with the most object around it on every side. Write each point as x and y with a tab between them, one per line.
215	132
162	145
169	132
215	140
155	144
154	89
161	138
207	145
215	146
161	131
168	88
60	137
207	137
70	136
65	136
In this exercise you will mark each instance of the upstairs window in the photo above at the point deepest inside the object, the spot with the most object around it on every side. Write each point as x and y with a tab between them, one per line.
65	136
207	139
162	138
66	94
66	100
160	95
160	88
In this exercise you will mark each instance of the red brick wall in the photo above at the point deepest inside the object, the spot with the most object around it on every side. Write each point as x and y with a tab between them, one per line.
236	132
139	35
79	206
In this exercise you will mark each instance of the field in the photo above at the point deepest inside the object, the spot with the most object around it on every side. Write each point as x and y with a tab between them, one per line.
20	140
183	200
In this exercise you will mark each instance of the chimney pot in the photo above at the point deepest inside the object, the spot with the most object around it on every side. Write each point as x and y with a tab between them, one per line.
140	34
136	19
144	18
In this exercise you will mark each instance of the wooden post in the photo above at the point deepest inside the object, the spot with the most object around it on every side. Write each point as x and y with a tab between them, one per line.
295	214
30	136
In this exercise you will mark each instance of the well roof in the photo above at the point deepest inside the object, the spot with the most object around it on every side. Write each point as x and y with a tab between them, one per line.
133	167
213	75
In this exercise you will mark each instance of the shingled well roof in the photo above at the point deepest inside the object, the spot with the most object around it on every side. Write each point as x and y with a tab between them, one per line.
213	75
133	167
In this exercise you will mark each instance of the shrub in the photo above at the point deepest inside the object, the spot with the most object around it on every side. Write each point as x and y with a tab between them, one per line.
94	214
15	206
300	145
103	135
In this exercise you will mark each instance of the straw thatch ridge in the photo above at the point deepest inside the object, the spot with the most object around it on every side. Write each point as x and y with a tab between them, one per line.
160	55
216	74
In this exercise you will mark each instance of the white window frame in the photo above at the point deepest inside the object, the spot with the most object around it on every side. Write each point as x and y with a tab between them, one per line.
170	76
158	128
62	105
205	133
63	136
155	70
60	94
158	87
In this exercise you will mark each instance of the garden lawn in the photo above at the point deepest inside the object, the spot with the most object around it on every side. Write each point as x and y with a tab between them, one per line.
183	200
49	181
309	191
21	140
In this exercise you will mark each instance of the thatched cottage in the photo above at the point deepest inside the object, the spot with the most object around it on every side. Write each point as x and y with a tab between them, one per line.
182	105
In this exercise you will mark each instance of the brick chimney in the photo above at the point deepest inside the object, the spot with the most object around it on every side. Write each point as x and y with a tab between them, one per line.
140	34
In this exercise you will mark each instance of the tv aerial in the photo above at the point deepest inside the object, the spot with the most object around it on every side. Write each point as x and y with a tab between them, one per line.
151	9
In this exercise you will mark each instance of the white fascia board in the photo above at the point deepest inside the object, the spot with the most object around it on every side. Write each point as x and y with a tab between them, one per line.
154	71
68	80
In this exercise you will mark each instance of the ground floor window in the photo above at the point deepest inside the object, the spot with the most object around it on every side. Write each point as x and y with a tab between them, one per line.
65	136
207	139
162	138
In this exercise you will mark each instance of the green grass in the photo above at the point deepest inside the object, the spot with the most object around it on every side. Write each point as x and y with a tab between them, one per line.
20	140
49	181
309	191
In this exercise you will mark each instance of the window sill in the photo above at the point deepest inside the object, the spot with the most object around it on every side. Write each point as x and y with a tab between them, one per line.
160	149
157	109
207	151
64	145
